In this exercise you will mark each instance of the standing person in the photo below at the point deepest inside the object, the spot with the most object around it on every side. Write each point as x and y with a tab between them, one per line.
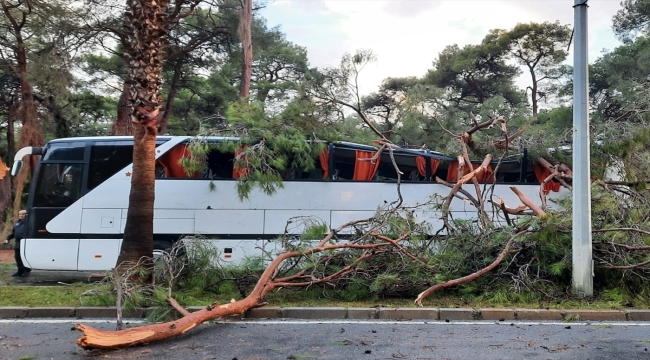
18	233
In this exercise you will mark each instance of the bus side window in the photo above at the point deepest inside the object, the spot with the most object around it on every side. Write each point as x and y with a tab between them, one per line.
344	161
170	163
386	170
220	164
106	161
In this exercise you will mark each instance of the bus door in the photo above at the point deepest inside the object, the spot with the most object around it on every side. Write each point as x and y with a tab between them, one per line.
57	185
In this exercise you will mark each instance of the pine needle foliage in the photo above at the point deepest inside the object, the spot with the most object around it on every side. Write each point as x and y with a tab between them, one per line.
266	148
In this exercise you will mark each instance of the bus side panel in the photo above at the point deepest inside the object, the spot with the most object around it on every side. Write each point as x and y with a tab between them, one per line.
98	254
185	194
275	221
111	194
178	222
229	222
235	251
50	254
67	221
101	221
341	217
301	195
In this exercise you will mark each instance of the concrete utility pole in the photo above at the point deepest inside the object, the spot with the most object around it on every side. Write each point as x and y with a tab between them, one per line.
583	284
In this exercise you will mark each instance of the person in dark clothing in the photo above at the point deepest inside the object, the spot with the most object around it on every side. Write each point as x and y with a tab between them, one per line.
18	233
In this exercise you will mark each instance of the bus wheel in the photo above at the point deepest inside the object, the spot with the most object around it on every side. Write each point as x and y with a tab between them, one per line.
161	248
164	248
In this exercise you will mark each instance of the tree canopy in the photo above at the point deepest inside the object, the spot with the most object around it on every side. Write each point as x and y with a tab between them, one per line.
67	70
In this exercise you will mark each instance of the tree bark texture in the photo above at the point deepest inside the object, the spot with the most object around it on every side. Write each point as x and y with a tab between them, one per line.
5	191
146	24
173	87
245	21
30	132
122	124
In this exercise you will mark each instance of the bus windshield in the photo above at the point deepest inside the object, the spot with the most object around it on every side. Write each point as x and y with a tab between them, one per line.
58	185
60	175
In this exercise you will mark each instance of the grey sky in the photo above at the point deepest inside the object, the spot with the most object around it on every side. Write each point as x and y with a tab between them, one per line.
407	35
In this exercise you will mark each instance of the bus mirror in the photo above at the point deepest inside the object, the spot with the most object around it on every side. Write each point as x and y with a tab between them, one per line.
15	169
18	158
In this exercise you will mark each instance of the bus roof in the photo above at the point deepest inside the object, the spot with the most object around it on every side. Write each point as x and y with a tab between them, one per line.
339	144
101	138
130	138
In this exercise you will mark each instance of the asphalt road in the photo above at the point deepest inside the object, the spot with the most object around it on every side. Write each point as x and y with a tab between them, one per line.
54	339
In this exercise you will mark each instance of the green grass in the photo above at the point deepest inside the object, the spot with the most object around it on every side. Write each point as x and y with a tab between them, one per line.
71	295
35	296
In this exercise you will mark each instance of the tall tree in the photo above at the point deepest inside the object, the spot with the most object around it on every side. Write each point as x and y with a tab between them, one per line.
633	18
474	74
191	40
146	23
30	30
245	23
337	88
387	103
540	49
278	64
619	82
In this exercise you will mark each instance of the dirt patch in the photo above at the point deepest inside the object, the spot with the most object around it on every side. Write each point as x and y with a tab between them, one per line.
7	256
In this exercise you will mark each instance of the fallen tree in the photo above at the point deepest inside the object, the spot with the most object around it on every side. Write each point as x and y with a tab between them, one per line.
317	265
391	243
269	280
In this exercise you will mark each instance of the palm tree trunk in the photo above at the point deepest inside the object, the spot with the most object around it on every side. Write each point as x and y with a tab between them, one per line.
146	23
138	232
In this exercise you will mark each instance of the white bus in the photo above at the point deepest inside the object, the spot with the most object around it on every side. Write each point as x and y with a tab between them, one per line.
78	198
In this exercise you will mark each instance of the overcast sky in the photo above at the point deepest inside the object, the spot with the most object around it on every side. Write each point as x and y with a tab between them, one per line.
407	35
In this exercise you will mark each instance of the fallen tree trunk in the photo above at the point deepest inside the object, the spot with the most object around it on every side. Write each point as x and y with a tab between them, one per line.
100	339
93	338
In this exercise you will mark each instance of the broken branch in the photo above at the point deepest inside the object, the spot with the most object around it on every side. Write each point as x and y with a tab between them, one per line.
473	276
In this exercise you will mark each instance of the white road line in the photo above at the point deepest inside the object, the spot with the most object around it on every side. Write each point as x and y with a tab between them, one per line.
440	322
363	322
69	321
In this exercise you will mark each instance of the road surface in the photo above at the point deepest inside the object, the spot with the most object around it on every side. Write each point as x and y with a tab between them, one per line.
295	339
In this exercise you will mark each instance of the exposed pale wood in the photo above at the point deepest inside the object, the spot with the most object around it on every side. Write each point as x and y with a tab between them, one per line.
542	185
502	144
93	338
177	306
526	201
508	210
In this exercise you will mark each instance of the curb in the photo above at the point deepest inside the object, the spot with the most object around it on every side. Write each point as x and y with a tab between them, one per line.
274	312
